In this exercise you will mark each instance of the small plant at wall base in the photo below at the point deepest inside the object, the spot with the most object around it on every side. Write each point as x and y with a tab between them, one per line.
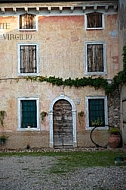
43	114
2	116
3	139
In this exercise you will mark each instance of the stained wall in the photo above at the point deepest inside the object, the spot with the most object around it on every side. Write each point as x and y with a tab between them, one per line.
61	53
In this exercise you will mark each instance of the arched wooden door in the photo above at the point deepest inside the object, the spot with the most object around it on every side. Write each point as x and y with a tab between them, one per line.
62	124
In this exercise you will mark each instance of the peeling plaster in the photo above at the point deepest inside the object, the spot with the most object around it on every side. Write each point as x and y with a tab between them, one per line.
114	33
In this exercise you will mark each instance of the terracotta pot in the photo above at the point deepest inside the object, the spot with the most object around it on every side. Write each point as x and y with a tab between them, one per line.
114	141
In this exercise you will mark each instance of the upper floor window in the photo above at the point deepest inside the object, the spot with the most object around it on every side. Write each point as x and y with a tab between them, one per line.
94	20
95	58
28	61
27	22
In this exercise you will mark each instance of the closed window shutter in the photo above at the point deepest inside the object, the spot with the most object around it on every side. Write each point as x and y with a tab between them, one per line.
94	20
27	21
28	59
95	58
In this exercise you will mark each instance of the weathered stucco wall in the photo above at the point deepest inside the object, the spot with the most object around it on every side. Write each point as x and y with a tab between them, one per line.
60	42
122	36
61	53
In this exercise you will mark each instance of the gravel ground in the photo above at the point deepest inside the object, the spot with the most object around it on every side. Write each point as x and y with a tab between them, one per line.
32	173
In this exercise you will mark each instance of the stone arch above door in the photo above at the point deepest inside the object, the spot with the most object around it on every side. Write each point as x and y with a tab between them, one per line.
62	97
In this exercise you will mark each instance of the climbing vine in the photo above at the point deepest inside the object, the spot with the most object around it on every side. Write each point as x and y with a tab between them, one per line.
97	83
78	82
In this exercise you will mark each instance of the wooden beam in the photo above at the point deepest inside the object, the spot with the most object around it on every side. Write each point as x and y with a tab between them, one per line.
84	8
72	9
26	9
49	9
95	7
14	10
37	9
61	9
115	7
106	8
3	10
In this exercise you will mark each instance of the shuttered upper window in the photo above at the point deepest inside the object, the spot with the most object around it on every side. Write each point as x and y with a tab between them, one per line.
27	22
28	62
94	20
95	58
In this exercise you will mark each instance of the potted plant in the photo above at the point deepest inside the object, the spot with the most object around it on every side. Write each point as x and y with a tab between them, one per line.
97	122
80	116
2	116
43	114
3	139
114	140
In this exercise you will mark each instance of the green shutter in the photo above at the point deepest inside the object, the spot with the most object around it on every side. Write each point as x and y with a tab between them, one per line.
29	114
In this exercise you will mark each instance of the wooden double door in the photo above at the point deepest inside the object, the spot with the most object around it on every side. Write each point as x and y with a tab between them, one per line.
62	124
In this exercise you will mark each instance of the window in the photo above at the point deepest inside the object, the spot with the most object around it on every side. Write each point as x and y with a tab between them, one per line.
95	58
28	113
27	22
96	110
28	63
94	20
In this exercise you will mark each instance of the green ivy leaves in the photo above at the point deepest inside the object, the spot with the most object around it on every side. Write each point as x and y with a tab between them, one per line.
97	83
82	82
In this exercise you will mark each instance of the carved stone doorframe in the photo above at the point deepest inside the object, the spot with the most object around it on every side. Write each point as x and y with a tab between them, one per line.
63	97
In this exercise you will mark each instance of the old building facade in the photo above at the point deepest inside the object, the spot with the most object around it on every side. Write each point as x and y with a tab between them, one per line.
53	58
122	37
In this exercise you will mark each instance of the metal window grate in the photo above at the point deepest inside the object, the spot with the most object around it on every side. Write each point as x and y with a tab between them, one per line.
96	110
29	113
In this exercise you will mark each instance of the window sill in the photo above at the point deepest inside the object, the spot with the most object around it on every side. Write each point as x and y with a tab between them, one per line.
95	73
98	128
28	74
28	30
95	28
28	129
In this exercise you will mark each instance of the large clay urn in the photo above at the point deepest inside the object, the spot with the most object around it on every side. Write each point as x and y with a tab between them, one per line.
114	140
